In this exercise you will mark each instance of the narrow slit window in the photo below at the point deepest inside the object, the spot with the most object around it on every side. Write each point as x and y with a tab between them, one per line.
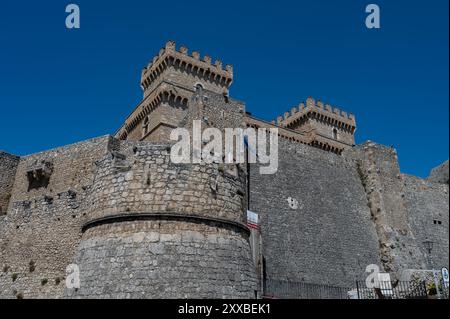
145	126
335	134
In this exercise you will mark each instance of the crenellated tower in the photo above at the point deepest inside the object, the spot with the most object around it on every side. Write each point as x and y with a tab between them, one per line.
169	81
187	70
323	125
314	124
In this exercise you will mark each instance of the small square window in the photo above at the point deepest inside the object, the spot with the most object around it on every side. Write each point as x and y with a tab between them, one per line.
39	176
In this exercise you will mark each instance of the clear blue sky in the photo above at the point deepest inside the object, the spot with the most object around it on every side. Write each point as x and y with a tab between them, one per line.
59	86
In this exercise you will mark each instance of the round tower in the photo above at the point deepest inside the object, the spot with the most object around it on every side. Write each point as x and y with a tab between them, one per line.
161	230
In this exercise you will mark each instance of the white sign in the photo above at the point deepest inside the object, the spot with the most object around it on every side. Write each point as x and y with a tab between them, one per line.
252	220
445	275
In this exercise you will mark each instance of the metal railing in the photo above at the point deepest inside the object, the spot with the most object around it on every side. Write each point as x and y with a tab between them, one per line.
389	290
299	290
279	289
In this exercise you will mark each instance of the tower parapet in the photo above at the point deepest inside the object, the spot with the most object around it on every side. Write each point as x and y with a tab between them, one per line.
324	112
174	76
215	77
323	123
169	81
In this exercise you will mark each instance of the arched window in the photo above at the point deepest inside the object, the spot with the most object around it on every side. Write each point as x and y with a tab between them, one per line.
335	134
198	88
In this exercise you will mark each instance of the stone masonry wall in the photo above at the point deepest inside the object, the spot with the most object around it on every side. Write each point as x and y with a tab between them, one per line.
139	177
164	259
427	204
140	226
138	181
8	166
440	174
42	228
315	222
326	129
380	174
187	78
164	114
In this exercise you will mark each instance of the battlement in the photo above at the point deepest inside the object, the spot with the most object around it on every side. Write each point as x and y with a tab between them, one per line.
201	67
170	80
317	110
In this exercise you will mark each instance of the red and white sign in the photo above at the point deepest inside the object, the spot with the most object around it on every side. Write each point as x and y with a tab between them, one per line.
252	220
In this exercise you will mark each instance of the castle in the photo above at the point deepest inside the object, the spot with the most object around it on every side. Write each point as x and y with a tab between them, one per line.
139	226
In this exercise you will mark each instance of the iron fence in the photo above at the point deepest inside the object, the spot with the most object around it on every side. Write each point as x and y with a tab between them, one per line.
300	290
280	289
390	290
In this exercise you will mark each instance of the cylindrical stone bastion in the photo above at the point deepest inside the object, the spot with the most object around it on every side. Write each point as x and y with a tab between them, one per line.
157	229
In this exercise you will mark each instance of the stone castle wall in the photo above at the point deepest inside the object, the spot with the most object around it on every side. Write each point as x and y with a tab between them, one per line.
325	217
440	174
380	175
193	227
406	210
8	166
164	259
109	198
121	210
42	228
139	177
427	203
139	226
315	222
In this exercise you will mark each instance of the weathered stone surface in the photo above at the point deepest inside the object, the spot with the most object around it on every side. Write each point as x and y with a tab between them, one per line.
328	237
43	226
140	226
380	174
104	178
428	204
181	264
8	166
440	174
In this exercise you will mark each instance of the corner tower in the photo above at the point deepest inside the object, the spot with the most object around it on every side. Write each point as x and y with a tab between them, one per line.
324	126
157	229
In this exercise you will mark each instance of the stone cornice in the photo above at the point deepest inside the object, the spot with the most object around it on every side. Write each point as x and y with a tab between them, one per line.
133	216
